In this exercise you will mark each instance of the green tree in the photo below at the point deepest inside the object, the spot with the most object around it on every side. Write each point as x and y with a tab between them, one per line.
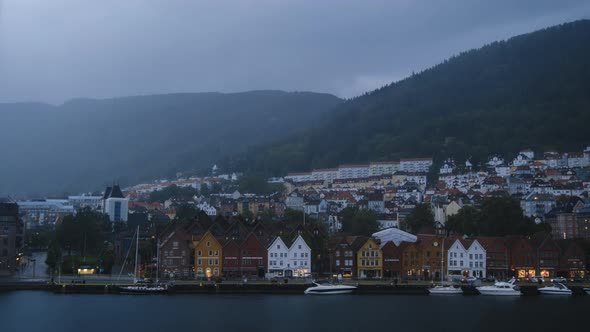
186	212
502	216
359	221
421	216
53	256
84	232
466	221
204	190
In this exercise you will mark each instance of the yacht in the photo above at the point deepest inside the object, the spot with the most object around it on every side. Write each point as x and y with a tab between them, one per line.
143	289
140	286
329	289
587	290
556	289
445	290
501	289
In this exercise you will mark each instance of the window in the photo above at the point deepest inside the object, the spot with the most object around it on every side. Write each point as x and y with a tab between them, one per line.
461	263
461	255
281	263
295	254
210	253
199	262
337	262
295	263
471	256
278	246
337	253
199	253
299	246
175	245
216	252
208	243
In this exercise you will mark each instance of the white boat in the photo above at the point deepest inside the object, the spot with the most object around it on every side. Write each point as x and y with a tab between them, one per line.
139	286
445	290
556	289
144	289
329	289
501	289
587	290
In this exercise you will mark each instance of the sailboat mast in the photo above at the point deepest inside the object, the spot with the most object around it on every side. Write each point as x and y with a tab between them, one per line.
136	254
158	261
442	261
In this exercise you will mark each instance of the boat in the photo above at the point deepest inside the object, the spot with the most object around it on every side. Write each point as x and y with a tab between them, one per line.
587	290
445	290
556	289
320	288
139	285
501	288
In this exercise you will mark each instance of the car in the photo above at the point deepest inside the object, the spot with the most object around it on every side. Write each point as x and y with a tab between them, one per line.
490	279
537	279
577	279
559	279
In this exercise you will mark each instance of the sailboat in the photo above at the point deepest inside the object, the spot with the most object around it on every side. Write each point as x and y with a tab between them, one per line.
443	289
140	287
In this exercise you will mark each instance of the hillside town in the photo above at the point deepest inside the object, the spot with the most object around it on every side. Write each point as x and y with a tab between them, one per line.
205	227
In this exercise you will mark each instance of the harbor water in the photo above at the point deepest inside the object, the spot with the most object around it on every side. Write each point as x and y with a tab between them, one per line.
33	311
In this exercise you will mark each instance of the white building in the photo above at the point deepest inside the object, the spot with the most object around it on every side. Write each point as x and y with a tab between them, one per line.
353	171
294	201
293	261
378	168
299	177
115	204
324	174
208	209
466	257
45	211
82	201
415	165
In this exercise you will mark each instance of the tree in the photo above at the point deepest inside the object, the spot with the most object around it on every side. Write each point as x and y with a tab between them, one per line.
421	216
53	255
186	212
204	190
84	232
359	221
502	216
467	221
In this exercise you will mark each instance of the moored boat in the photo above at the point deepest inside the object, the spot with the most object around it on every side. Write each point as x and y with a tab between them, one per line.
501	289
445	290
144	289
329	289
556	289
587	290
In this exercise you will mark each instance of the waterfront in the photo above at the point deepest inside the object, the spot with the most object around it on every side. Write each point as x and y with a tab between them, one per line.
41	311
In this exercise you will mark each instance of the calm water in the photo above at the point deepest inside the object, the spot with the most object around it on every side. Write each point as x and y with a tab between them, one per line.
41	311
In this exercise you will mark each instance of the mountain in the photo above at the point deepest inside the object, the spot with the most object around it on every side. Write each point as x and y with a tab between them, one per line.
85	144
530	91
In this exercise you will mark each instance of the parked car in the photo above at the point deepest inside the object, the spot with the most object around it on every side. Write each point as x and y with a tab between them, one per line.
577	279
490	279
559	279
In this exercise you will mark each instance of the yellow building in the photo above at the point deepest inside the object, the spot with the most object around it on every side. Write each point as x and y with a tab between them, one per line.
207	256
369	259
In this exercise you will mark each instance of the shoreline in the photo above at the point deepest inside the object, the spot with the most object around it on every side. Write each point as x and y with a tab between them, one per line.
221	288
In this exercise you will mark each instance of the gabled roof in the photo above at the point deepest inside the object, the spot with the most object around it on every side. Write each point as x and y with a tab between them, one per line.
116	192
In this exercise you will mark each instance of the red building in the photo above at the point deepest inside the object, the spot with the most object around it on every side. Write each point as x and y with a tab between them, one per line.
573	259
392	265
522	257
497	256
547	255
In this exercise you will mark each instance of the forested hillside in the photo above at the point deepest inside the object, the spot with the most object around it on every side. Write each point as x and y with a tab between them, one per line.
531	91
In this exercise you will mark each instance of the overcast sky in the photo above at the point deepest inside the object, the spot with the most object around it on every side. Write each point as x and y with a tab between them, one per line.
53	50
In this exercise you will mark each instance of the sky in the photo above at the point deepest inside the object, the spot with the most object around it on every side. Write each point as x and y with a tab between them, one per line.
55	50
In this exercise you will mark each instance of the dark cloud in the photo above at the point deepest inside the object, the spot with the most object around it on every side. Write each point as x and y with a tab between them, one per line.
59	49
